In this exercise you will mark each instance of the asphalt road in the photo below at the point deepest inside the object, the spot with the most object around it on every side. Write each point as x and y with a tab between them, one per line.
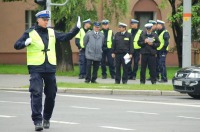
104	113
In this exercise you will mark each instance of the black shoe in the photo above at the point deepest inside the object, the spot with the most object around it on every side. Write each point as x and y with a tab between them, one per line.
104	76
142	82
163	81
93	81
81	77
46	124
124	82
87	81
38	127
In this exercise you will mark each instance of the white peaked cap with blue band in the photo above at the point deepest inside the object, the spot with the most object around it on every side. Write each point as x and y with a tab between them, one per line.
134	21
160	22
148	25
43	14
105	21
87	21
122	24
152	21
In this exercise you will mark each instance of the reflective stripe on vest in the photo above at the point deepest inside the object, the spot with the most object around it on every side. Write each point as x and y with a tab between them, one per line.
162	41
109	38
35	51
136	38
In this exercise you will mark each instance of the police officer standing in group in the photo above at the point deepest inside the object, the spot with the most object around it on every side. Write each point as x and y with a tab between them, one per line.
41	60
79	43
136	32
122	44
149	42
153	30
107	54
93	42
163	36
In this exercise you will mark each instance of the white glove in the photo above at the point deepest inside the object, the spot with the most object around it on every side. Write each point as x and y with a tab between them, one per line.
79	22
28	41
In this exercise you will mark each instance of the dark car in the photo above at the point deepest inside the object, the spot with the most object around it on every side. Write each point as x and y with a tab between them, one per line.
187	80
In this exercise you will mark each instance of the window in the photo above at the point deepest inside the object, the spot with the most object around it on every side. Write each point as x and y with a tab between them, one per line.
30	18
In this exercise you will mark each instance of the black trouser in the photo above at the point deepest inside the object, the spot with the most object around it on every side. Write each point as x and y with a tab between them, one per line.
89	68
36	90
135	59
119	58
107	54
150	60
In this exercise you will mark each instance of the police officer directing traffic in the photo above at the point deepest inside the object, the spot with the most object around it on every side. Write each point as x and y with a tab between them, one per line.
149	42
136	32
79	43
163	36
122	44
107	54
40	42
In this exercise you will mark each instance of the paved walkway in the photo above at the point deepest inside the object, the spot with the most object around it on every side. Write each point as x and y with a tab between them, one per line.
17	81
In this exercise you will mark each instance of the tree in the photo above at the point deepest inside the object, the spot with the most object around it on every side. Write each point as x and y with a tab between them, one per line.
65	17
177	21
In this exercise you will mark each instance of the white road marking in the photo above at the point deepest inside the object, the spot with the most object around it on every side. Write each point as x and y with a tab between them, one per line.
130	101
89	108
12	102
186	117
147	113
117	128
122	100
6	116
63	122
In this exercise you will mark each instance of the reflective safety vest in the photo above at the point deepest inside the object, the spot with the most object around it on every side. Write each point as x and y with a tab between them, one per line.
81	36
109	38
162	41
36	52
136	38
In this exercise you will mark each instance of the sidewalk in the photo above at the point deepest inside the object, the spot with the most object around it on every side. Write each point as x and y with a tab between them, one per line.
15	82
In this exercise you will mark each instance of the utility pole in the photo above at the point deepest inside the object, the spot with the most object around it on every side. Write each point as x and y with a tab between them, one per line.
187	33
49	4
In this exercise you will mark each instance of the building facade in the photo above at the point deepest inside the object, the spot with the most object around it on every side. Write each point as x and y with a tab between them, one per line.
16	17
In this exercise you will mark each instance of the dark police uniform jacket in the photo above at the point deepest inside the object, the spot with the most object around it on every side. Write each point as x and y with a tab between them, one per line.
149	49
122	44
43	33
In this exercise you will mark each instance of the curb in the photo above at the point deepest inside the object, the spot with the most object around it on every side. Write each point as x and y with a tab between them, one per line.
106	91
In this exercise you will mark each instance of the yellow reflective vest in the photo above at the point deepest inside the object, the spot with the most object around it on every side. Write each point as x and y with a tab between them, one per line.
109	38
136	38
162	41
81	36
35	51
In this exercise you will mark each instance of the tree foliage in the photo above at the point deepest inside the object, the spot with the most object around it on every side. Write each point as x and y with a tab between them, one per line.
177	21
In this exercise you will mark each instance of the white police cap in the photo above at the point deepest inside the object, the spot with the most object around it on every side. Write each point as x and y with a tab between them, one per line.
122	24
134	21
152	21
104	22
43	14
160	22
87	21
148	25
